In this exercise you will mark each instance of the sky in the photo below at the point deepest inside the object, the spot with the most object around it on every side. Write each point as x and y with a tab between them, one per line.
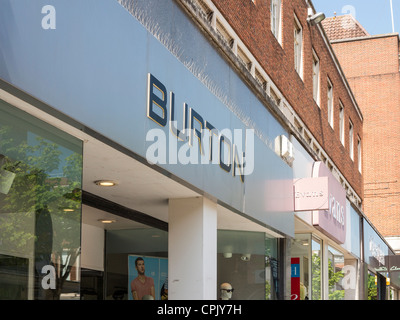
374	15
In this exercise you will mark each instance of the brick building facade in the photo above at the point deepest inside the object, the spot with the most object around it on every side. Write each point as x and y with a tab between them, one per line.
375	81
251	20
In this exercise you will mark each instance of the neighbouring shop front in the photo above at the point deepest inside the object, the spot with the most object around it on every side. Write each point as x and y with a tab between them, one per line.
340	258
381	266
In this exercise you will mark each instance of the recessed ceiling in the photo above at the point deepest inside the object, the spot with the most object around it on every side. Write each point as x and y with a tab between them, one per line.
141	188
138	186
92	216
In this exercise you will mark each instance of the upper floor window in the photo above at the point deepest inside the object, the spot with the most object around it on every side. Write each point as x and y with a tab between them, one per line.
298	47
330	103
351	139
276	25
341	123
359	154
316	86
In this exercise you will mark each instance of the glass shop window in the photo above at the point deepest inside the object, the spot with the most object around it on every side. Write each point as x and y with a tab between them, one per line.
248	262
301	263
336	264
40	209
316	269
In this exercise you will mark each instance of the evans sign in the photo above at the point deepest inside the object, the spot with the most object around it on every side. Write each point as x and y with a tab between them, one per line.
331	222
311	194
325	197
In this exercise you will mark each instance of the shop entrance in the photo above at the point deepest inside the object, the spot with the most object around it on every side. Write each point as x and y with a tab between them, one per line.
123	221
110	246
131	251
138	209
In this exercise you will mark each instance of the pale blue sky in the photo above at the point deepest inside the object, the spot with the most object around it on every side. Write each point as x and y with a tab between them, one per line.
374	15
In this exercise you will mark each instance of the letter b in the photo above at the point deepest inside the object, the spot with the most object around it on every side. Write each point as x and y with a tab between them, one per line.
157	101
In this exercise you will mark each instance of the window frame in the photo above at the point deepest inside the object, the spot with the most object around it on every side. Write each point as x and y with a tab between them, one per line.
276	21
330	104
341	123
359	154
351	139
316	72
298	46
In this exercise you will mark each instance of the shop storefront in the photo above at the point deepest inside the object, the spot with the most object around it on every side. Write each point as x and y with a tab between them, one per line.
58	242
381	265
323	270
86	106
340	258
392	265
326	250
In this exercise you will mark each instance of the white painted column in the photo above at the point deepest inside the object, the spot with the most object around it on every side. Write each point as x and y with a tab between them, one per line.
192	249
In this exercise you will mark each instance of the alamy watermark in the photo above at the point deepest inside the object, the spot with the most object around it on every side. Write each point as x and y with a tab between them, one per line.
49	278
349	23
231	150
49	20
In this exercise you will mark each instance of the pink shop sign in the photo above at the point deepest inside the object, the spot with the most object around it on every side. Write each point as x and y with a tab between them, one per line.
325	197
332	222
311	194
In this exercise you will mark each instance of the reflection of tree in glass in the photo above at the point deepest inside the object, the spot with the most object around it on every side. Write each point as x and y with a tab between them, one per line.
372	288
267	284
267	290
316	276
52	205
334	278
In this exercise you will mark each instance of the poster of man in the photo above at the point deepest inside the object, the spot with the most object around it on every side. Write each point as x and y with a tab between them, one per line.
146	277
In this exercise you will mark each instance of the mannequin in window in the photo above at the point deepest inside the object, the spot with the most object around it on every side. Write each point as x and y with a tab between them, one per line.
226	291
303	292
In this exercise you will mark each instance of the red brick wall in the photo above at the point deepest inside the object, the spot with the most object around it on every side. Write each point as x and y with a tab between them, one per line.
368	57
251	21
372	67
